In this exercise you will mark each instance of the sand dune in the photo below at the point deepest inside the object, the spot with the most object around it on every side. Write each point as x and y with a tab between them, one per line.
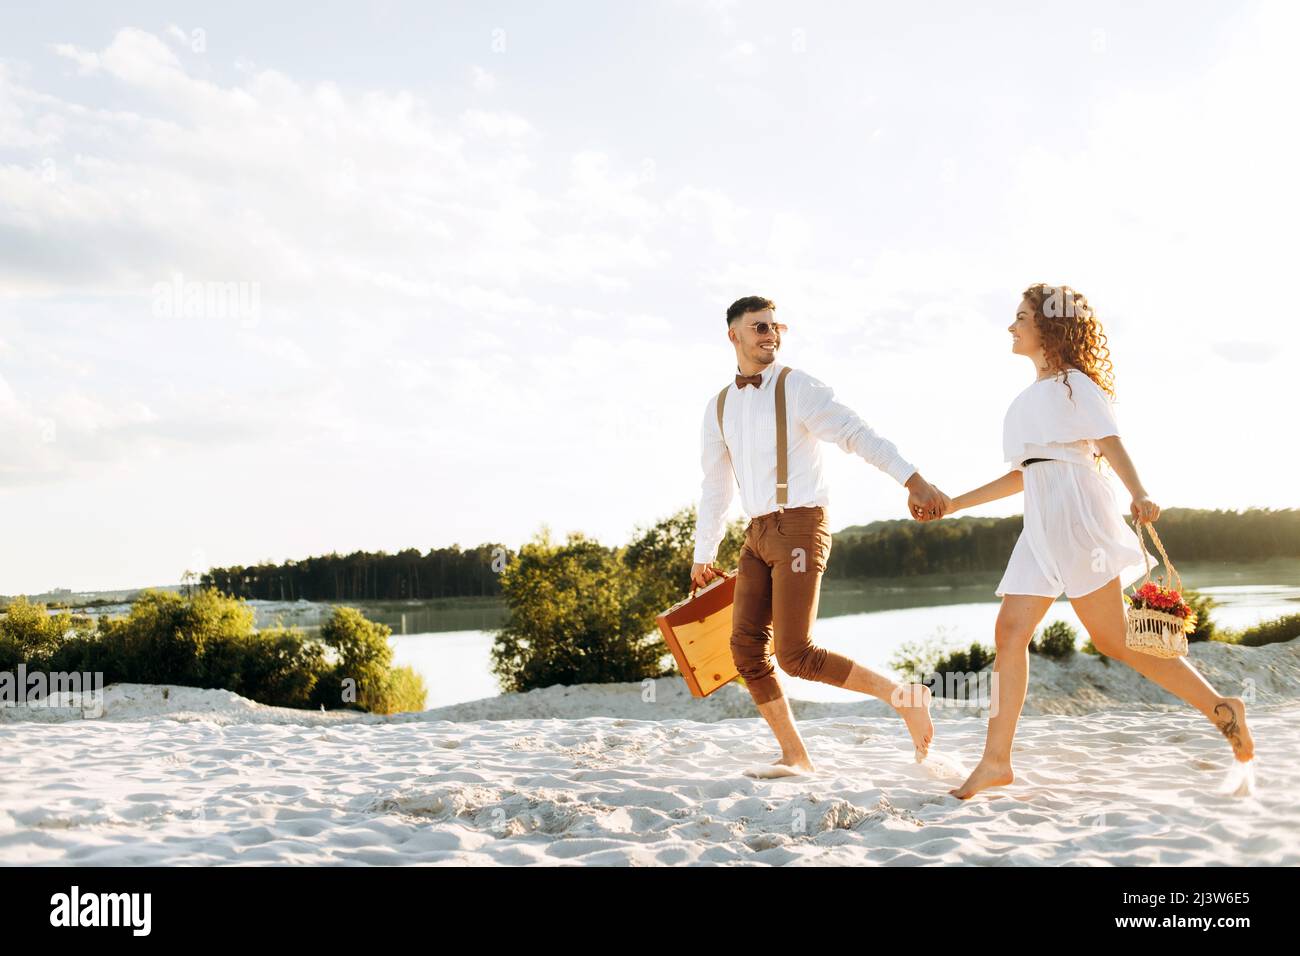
1111	772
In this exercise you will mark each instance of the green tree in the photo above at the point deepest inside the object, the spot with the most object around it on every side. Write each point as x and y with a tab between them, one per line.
30	635
574	616
363	677
1202	604
659	560
163	638
1056	642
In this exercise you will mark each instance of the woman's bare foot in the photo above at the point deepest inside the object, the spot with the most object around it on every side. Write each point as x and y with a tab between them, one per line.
912	702
1230	718
986	775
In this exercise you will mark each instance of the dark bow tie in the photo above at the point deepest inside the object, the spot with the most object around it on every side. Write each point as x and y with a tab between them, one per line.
743	380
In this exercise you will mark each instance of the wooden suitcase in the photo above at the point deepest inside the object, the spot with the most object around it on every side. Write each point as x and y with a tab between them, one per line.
698	632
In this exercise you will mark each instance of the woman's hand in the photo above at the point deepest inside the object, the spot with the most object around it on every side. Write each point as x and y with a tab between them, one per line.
1144	510
942	506
924	500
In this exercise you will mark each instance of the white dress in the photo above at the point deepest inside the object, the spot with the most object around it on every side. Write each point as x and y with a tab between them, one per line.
1075	537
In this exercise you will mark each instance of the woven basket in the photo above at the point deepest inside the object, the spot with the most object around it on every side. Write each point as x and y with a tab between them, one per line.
1151	631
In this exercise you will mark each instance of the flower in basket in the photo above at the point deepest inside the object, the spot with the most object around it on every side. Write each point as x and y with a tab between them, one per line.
1160	598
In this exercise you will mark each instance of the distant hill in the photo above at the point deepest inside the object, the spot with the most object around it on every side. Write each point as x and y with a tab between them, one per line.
902	547
69	598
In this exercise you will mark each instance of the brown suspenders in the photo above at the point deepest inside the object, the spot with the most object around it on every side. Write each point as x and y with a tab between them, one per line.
781	475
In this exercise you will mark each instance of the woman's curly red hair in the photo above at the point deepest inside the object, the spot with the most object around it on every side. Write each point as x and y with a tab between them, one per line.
1071	334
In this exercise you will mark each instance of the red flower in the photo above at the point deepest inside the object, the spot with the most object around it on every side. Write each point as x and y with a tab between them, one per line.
1160	598
1148	591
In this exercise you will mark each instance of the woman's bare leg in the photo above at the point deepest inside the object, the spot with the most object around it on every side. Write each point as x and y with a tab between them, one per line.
1017	619
1102	613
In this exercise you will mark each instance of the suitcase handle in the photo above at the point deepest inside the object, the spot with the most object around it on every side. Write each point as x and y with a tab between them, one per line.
722	571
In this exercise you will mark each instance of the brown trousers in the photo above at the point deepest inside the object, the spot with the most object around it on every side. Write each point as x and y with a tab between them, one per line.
777	588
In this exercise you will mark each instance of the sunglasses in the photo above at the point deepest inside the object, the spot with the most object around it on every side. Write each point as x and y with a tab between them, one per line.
762	328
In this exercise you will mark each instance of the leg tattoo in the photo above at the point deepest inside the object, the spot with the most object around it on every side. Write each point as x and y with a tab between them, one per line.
1228	725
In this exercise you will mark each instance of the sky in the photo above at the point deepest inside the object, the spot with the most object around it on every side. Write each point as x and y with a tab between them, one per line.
390	275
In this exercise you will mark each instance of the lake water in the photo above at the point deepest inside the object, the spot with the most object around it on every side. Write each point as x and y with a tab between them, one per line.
870	625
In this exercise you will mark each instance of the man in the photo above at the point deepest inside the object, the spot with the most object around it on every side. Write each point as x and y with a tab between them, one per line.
786	548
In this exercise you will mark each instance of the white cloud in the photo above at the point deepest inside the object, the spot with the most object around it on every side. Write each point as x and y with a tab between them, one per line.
393	242
454	297
483	81
1255	352
598	192
724	217
496	124
86	62
744	58
721	11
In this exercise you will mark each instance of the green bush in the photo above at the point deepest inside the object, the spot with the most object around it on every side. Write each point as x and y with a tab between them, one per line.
1271	632
927	663
975	658
970	661
80	651
575	614
277	666
1091	648
30	635
407	691
163	638
363	677
1056	642
207	639
1202	604
914	661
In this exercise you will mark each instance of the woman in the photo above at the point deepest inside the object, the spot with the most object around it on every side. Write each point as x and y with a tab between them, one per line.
1074	538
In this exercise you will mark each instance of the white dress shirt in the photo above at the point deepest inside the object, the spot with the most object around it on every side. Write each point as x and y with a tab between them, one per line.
749	419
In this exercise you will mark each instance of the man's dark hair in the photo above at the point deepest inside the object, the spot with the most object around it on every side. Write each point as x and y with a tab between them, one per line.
750	303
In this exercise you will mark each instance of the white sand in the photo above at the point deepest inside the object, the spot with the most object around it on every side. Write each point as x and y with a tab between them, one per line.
1112	771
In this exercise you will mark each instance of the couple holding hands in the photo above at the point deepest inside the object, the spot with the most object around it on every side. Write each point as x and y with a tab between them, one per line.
1074	540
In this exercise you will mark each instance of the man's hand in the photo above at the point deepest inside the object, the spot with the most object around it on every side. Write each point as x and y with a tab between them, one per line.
702	574
925	502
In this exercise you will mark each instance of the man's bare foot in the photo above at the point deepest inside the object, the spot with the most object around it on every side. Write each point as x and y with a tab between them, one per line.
984	776
1230	718
782	767
912	702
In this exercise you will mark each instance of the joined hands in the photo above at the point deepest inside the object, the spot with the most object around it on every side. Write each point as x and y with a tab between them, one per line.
925	502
